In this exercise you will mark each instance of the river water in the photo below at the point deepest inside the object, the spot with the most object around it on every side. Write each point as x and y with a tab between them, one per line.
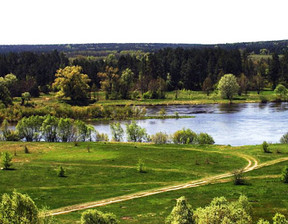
233	124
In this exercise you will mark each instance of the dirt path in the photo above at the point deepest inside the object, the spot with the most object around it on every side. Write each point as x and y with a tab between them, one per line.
252	164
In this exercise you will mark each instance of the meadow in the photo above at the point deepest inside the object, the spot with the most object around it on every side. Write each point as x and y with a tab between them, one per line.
96	171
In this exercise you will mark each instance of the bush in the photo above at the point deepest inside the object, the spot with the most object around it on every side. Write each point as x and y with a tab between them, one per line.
101	137
6	160
265	147
95	216
284	139
18	208
279	219
141	166
181	213
238	177
184	136
61	172
26	150
204	138
221	211
160	138
135	133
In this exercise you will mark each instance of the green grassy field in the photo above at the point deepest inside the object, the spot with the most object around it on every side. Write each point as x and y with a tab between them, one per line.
109	170
184	97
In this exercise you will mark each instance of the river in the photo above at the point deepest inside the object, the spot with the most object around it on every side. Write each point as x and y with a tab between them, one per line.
233	124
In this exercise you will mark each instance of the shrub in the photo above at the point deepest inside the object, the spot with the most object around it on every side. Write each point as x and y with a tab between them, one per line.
26	150
135	133
284	139
265	147
181	213
18	208
95	216
117	132
184	136
221	211
61	172
238	177
279	219
141	166
204	138
160	138
6	160
101	137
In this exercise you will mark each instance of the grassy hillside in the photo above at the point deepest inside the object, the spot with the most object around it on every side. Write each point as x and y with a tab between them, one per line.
98	171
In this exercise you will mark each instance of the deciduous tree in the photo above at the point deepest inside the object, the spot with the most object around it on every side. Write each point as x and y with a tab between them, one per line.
72	83
228	86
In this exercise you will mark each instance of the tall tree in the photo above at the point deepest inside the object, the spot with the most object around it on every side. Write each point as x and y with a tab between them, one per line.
72	83
274	69
228	86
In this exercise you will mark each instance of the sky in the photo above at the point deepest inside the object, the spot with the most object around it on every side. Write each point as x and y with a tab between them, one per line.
146	21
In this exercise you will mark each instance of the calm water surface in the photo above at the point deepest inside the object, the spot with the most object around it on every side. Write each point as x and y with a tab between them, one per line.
236	124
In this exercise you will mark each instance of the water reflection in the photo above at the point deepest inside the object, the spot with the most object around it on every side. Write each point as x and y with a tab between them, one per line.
234	124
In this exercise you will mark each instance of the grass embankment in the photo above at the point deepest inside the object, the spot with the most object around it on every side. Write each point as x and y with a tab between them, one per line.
118	109
109	170
192	97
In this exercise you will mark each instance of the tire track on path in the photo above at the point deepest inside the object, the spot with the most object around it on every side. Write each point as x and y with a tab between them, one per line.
252	164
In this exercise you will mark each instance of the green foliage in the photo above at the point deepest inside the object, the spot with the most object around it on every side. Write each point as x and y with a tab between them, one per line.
61	172
101	137
6	160
184	136
5	95
238	177
117	131
265	147
98	217
279	219
160	138
7	134
204	138
181	214
72	83
221	211
228	86
141	166
162	112
18	208
29	128
45	216
49	128
262	221
66	130
284	139
135	133
25	98
284	175
207	85
281	91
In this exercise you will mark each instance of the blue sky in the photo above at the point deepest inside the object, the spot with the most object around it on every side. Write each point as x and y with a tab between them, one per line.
149	21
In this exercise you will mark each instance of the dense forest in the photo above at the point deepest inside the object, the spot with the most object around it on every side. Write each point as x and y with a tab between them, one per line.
148	74
104	49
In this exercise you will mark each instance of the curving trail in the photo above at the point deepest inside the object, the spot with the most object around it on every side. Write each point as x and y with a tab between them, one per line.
252	165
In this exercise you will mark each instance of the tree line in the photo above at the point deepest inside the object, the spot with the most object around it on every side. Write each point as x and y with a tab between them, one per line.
149	74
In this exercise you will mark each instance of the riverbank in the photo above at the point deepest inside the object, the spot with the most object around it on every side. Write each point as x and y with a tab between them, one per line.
103	109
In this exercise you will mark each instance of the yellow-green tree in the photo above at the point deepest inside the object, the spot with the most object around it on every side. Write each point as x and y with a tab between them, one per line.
72	83
109	82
